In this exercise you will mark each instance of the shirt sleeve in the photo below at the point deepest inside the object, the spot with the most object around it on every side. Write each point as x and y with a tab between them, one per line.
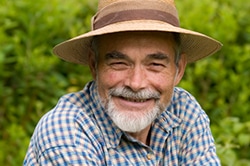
81	149
199	148
61	138
69	156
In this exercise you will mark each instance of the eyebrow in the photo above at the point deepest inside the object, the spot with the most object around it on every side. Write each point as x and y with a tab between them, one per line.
115	55
158	56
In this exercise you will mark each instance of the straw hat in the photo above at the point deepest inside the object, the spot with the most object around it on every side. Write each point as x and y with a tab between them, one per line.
136	15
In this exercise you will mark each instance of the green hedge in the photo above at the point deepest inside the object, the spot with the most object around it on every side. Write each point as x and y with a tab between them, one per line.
32	79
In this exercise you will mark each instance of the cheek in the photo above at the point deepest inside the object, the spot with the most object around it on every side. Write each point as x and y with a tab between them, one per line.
107	80
165	85
163	81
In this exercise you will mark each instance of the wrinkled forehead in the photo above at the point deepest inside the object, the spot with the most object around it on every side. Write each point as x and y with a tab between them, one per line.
135	43
116	39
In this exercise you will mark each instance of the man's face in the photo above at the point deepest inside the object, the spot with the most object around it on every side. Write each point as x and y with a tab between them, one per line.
136	74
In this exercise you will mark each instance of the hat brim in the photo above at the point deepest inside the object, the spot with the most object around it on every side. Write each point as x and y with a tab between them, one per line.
195	45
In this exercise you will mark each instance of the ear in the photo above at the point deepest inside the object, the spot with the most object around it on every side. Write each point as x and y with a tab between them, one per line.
181	68
92	63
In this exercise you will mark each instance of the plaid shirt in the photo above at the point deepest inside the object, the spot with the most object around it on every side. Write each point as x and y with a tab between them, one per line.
79	132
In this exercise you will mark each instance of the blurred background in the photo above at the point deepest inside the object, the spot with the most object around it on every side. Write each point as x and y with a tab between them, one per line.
32	79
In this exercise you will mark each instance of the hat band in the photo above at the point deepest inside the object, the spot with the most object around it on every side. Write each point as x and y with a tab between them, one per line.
139	14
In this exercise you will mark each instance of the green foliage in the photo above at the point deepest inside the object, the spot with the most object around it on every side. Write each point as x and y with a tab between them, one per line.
32	79
221	82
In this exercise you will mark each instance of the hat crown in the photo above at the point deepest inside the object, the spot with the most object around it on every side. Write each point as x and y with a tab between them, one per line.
103	3
116	11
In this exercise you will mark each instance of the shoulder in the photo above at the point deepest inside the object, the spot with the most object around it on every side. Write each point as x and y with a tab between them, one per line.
186	107
61	126
69	132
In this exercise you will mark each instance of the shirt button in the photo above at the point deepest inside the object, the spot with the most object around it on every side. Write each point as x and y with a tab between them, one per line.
149	156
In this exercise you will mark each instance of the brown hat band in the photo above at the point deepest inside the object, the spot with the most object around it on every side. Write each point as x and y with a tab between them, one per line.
138	14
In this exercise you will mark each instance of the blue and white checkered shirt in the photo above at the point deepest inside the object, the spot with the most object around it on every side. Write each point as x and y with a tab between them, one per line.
79	132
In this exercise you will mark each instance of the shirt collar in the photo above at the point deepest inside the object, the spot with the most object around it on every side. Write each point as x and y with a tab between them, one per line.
167	120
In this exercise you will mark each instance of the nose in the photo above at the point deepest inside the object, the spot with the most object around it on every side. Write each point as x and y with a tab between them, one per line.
136	78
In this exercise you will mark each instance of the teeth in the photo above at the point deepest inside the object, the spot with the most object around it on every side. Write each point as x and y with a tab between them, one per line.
135	100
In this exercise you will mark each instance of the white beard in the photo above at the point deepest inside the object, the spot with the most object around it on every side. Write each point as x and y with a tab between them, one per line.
130	121
133	121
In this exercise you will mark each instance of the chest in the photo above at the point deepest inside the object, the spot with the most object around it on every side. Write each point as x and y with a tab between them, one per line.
163	151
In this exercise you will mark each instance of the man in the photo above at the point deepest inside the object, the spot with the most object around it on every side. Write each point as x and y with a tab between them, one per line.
132	113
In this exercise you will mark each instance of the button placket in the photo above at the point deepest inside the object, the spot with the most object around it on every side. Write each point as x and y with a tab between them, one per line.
149	156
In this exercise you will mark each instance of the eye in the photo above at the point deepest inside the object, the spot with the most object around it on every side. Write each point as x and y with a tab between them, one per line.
157	64
118	65
157	67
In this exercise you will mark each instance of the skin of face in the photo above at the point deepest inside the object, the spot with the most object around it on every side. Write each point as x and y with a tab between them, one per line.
137	60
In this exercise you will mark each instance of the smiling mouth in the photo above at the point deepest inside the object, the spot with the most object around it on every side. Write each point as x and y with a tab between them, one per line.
135	100
127	95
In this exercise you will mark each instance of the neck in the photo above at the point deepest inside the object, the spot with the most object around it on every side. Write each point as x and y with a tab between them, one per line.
142	136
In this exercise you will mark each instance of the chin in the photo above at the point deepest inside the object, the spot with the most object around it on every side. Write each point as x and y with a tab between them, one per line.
130	121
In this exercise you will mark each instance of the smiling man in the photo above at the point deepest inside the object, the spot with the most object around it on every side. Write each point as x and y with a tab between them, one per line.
132	113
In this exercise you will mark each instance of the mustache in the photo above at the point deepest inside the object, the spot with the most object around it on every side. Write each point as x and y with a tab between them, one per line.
127	92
